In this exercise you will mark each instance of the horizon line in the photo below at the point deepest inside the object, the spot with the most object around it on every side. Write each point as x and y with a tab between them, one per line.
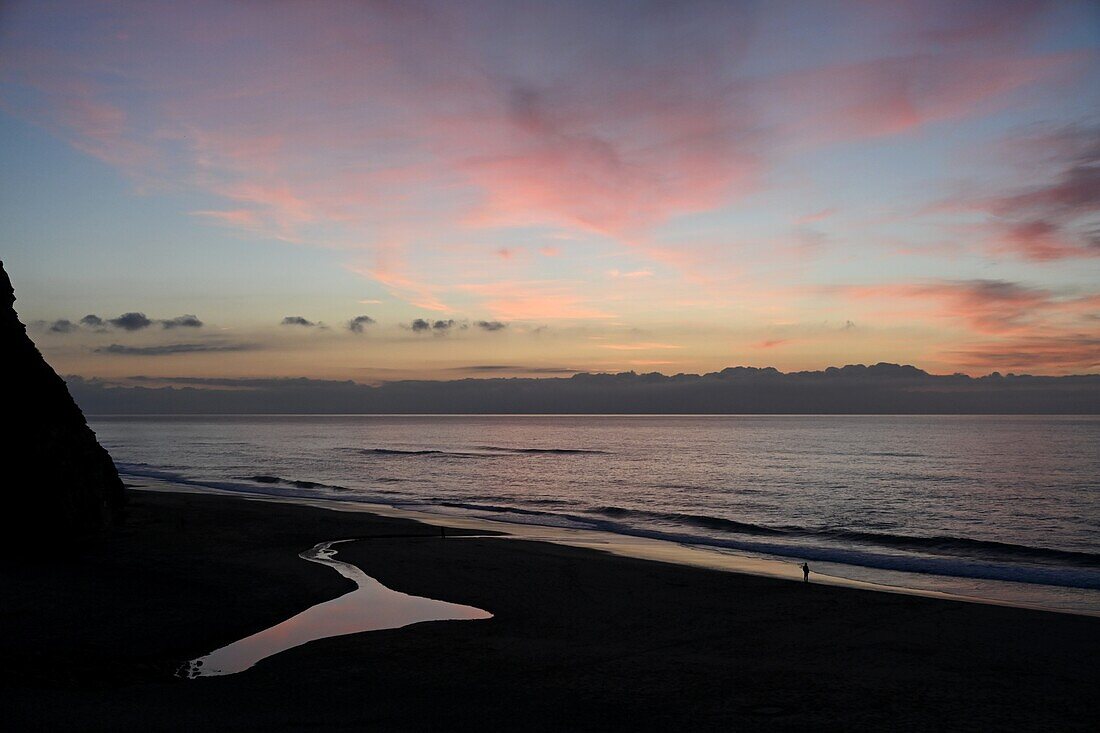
581	372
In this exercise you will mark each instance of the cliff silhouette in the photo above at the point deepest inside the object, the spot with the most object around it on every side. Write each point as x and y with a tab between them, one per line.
60	482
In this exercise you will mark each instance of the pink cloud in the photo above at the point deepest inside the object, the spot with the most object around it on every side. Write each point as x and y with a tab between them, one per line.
987	306
239	218
978	23
1038	240
1015	327
278	105
643	346
815	216
541	167
895	95
415	292
76	109
398	129
1053	218
536	300
1060	353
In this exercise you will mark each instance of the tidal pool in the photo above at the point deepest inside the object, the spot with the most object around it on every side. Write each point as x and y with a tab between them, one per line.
370	607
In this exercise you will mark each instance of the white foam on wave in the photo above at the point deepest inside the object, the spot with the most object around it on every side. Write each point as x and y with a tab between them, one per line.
687	552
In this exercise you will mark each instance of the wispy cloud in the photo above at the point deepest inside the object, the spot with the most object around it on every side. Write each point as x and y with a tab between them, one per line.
706	160
525	148
815	216
1006	320
1056	218
987	306
1073	351
171	349
512	369
643	346
533	300
415	292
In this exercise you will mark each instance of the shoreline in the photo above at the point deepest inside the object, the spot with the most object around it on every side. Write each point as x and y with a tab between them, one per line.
579	639
631	546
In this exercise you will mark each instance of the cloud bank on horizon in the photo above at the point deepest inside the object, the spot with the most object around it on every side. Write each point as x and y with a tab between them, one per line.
620	185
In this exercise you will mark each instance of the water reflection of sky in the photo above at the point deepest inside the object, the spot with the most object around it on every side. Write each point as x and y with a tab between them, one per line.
371	607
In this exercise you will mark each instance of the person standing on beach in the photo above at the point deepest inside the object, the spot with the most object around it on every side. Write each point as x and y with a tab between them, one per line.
805	573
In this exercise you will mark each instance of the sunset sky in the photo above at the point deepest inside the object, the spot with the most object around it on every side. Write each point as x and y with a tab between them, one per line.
540	188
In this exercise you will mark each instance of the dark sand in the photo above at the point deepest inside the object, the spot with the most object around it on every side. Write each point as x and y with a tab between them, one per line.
581	640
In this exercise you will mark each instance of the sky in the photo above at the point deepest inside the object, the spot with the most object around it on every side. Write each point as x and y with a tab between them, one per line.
376	190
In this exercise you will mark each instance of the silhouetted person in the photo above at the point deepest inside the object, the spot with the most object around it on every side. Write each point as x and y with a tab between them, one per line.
805	573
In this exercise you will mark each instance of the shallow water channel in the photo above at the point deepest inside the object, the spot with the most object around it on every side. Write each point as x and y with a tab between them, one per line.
370	607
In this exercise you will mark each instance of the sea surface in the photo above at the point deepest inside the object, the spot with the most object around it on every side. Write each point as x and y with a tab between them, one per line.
1006	508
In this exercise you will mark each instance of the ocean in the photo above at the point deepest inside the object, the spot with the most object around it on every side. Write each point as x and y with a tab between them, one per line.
1003	508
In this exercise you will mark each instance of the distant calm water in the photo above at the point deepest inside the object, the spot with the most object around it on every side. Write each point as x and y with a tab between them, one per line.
1003	507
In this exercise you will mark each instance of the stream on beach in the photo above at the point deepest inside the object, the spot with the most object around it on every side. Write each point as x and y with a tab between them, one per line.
370	607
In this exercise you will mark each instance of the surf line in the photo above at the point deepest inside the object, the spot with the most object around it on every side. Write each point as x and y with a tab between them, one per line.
370	607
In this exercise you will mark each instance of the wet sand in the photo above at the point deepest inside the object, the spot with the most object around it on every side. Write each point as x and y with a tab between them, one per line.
579	639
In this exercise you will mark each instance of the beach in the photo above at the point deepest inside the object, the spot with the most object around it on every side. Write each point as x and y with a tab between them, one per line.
579	639
555	366
936	504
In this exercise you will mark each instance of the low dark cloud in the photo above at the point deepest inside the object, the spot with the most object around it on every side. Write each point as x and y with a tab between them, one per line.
491	325
184	321
512	369
131	321
298	321
170	349
356	325
440	327
853	389
242	382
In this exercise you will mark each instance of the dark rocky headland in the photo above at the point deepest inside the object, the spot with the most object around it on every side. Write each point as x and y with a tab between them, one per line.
58	479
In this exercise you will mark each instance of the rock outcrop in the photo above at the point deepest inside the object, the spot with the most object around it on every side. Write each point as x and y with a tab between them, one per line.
60	483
